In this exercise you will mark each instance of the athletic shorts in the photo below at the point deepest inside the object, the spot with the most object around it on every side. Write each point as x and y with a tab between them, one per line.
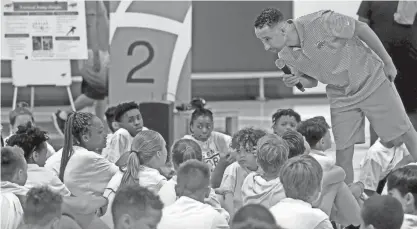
384	110
92	93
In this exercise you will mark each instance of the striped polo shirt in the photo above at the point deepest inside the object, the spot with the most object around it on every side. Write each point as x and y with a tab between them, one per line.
331	53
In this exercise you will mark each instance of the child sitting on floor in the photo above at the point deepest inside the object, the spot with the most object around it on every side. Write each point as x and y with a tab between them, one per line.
382	212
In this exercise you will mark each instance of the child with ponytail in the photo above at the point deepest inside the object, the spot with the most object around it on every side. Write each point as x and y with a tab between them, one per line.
148	154
82	169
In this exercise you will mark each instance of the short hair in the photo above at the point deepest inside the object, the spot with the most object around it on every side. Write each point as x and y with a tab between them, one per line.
285	112
42	206
247	138
253	211
122	108
313	129
22	108
382	212
110	117
254	224
295	143
184	150
301	177
135	201
12	159
272	152
404	179
268	17
29	138
192	176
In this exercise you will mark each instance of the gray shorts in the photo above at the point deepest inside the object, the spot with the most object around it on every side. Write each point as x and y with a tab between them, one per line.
384	110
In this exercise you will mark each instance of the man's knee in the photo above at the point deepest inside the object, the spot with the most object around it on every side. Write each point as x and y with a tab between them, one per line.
345	155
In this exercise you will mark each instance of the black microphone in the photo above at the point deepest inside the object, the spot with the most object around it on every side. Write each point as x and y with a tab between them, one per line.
281	65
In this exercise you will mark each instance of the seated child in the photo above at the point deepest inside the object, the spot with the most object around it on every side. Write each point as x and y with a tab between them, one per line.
285	119
402	185
265	188
244	142
253	216
182	151
136	207
295	142
189	210
12	192
82	169
347	209
21	116
214	145
109	114
43	209
302	178
382	212
127	122
33	142
380	159
147	156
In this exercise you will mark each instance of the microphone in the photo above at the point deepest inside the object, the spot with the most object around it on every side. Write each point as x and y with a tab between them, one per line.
281	65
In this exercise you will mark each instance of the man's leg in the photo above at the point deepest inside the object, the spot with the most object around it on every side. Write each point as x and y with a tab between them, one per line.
348	129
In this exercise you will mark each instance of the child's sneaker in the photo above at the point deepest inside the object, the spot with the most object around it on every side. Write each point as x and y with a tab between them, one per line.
59	123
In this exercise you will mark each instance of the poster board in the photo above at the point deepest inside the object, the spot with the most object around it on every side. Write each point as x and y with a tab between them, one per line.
43	30
41	72
301	8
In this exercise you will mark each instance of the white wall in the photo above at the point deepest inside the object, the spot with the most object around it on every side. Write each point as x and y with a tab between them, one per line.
301	8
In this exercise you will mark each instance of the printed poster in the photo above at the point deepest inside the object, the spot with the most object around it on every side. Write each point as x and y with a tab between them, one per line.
43	30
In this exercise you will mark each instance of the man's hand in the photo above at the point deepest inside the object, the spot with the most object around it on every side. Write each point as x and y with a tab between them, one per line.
290	80
390	71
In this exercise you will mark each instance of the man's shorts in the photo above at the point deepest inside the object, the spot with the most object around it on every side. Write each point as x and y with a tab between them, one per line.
384	110
91	92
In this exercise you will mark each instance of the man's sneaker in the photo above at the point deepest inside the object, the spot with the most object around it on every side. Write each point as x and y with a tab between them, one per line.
59	123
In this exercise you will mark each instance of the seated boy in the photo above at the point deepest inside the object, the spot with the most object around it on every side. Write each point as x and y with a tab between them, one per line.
189	210
402	185
43	210
12	191
285	119
380	159
109	114
127	123
382	212
254	216
21	116
347	209
244	143
265	188
301	178
136	207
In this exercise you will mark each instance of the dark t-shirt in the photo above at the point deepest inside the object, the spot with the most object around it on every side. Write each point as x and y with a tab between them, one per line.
381	17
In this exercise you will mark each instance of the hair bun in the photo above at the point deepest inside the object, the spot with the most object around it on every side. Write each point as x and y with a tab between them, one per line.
198	103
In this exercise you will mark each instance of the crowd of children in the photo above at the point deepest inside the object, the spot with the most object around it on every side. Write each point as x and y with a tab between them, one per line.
256	179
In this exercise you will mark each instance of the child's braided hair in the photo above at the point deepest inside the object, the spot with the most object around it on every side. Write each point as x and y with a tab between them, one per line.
77	124
247	138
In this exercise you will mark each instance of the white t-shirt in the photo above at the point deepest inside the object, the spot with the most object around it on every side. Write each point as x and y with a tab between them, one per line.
327	162
88	173
217	145
187	213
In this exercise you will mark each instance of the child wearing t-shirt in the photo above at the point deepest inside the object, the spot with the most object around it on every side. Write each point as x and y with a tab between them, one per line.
244	142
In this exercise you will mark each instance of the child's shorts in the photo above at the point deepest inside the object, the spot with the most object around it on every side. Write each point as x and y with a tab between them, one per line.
384	110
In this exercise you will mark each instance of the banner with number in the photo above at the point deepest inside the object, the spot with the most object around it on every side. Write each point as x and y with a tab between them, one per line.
43	30
150	51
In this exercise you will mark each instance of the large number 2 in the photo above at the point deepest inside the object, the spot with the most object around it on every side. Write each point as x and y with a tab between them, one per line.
148	60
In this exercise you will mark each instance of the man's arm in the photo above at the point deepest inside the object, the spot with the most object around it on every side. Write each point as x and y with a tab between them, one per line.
307	81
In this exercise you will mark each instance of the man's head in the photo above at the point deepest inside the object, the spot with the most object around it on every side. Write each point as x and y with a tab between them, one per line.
402	184
193	180
136	207
270	29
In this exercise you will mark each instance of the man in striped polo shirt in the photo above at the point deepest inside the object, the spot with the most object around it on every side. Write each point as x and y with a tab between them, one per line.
345	54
